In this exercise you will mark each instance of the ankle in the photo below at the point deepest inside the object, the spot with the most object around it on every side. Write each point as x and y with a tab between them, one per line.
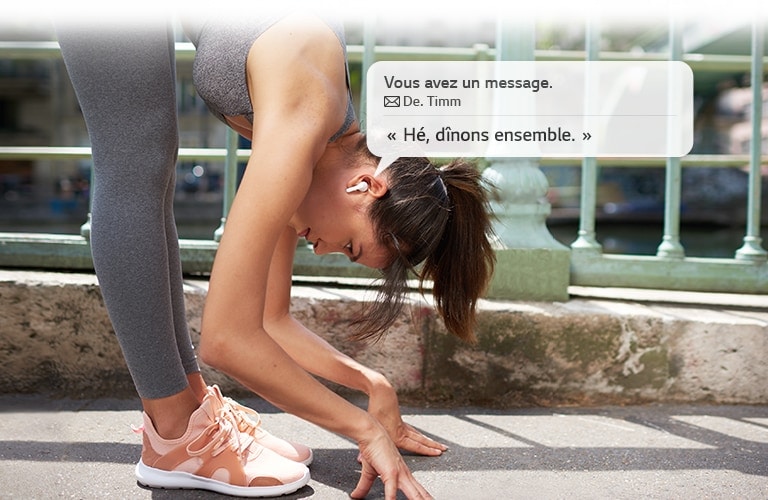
170	416
198	386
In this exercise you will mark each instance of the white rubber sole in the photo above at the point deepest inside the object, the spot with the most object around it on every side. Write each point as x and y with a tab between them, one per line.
157	478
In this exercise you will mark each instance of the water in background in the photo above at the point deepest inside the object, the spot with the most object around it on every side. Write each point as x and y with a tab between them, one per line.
644	238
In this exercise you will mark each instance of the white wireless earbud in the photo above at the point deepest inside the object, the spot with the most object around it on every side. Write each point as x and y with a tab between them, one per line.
361	186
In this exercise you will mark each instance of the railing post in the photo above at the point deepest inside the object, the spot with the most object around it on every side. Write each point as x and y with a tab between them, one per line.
369	57
531	264
85	229
752	249
587	240
230	181
670	246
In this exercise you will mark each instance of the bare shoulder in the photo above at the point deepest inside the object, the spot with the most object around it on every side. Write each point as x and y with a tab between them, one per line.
300	56
296	43
303	30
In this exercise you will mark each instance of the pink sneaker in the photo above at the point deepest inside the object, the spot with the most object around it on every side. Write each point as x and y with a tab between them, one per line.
249	421
214	455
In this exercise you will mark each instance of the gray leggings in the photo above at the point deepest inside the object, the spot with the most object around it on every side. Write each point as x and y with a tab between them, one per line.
124	78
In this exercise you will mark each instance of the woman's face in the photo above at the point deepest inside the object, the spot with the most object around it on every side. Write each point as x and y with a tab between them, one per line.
334	220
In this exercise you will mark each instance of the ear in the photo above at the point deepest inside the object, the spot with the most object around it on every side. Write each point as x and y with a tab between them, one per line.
377	186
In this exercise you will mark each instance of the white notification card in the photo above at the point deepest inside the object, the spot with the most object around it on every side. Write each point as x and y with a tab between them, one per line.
529	108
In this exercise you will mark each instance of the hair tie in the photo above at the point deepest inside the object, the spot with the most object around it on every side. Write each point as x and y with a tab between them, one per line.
442	182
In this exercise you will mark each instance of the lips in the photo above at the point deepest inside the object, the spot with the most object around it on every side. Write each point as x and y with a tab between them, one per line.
304	233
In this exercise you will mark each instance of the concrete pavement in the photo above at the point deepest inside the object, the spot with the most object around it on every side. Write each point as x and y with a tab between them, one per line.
85	449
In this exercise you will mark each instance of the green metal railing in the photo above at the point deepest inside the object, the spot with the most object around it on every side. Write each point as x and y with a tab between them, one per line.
745	272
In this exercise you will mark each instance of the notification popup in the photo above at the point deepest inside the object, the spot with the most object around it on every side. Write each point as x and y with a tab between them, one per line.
529	109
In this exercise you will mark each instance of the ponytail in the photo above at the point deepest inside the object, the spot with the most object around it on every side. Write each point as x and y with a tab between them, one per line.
462	264
436	222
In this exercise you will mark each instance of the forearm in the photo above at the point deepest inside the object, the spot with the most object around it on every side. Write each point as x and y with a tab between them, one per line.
317	356
262	366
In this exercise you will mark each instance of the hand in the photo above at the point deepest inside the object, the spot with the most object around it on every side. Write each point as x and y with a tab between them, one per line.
384	406
380	458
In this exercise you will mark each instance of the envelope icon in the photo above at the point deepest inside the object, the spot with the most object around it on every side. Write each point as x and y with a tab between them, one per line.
391	101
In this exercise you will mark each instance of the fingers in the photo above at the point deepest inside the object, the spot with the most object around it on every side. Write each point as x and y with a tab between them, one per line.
421	448
367	478
415	442
408	484
401	479
381	458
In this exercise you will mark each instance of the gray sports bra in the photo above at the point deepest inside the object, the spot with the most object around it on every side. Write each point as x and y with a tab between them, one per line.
219	68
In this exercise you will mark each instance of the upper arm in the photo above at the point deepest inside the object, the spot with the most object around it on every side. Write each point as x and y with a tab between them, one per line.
295	113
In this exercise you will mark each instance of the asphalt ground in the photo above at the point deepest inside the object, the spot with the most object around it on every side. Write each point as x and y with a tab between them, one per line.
85	449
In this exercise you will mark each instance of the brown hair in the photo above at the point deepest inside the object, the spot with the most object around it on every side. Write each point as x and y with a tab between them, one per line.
437	223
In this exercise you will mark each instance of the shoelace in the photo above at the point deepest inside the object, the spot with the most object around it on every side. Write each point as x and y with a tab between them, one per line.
220	435
247	419
232	419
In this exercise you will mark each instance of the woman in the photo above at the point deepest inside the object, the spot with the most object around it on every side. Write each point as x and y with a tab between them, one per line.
282	82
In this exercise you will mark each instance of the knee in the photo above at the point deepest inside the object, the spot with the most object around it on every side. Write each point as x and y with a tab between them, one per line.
144	161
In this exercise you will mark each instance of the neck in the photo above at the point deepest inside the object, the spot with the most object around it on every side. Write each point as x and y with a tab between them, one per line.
342	152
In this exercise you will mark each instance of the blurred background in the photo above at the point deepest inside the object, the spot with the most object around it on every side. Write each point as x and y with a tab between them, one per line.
38	108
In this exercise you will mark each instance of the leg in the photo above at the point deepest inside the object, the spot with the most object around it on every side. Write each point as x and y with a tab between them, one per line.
124	77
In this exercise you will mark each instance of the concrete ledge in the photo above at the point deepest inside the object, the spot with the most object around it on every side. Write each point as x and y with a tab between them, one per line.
55	337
